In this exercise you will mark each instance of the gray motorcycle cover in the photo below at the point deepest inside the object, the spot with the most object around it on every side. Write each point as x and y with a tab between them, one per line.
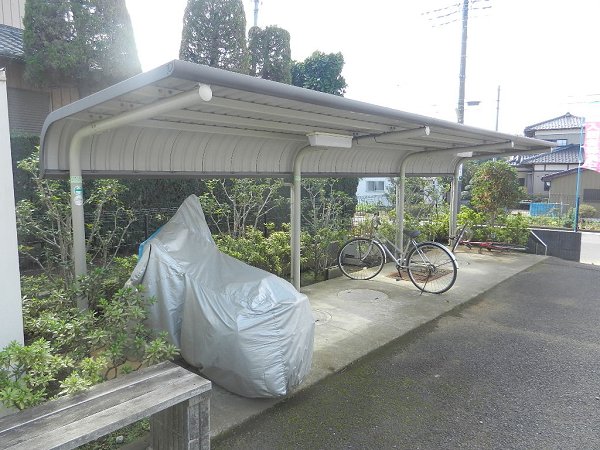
246	329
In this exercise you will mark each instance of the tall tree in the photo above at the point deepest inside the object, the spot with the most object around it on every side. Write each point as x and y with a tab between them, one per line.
270	54
52	56
320	72
214	34
105	27
78	43
495	187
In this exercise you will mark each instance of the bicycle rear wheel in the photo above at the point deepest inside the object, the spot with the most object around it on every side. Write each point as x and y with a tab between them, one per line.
361	259
431	268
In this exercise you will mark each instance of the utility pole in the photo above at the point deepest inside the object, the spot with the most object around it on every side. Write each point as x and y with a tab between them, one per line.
446	15
463	63
497	107
256	12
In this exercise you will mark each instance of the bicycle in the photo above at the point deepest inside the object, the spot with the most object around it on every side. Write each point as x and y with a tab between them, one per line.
465	237
430	266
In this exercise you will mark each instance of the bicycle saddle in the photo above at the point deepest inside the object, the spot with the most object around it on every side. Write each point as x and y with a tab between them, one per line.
412	233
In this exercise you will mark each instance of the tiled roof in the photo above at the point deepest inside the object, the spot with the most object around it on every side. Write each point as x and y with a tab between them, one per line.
564	173
566	122
11	42
568	154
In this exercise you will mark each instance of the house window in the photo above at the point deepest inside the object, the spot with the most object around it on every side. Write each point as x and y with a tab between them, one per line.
591	195
375	186
546	185
521	181
561	142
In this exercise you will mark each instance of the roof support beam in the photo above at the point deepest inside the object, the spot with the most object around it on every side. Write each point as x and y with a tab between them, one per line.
316	141
75	175
455	192
296	213
393	136
485	148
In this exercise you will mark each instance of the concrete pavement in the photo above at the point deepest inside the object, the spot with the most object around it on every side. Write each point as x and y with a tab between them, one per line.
517	368
590	248
354	318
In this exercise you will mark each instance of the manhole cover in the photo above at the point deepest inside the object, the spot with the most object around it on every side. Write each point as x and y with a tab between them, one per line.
321	317
361	294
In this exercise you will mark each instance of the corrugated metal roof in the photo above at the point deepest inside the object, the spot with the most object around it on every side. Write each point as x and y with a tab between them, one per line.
568	154
11	42
564	122
254	127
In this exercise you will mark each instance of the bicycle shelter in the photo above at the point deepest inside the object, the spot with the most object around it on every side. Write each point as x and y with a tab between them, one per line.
188	120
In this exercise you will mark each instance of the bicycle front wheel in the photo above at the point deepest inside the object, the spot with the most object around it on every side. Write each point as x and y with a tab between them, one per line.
431	268
361	259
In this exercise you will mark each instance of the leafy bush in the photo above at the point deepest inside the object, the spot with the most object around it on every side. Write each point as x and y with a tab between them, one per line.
514	229
435	229
511	228
495	188
587	211
319	250
44	221
270	253
67	350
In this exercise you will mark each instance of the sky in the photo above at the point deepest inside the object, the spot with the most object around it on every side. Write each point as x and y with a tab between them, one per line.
398	53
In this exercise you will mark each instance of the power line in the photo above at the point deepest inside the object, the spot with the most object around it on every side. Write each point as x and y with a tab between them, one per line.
448	14
451	13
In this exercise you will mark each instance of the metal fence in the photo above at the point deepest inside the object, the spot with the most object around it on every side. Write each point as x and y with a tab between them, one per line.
426	205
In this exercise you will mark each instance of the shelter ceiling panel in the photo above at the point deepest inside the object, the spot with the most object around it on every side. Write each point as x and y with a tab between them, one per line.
153	151
430	163
351	161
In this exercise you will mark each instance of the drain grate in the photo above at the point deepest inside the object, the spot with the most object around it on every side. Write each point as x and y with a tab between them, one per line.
321	317
362	295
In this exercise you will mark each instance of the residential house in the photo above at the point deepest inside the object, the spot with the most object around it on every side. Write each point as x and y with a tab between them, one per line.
554	174
563	130
566	132
533	170
563	188
28	106
373	191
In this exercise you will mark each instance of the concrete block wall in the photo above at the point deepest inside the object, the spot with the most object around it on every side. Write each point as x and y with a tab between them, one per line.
561	243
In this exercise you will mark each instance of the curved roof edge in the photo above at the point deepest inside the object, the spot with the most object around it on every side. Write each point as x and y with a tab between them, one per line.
263	111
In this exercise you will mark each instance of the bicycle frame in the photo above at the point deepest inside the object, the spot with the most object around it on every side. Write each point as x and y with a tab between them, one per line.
382	241
363	257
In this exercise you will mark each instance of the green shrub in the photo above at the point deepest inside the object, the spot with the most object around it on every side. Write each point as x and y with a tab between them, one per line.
44	221
514	229
67	350
319	250
270	253
587	211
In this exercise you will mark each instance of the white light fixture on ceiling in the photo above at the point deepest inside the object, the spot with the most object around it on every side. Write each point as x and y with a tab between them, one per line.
205	92
318	139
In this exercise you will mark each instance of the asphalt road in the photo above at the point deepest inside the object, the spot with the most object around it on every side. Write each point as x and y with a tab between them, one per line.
518	368
590	248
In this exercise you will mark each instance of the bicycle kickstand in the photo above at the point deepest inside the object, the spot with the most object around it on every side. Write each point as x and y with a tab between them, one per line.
399	277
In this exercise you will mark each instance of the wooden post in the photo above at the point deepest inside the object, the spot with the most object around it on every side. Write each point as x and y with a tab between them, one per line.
183	426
